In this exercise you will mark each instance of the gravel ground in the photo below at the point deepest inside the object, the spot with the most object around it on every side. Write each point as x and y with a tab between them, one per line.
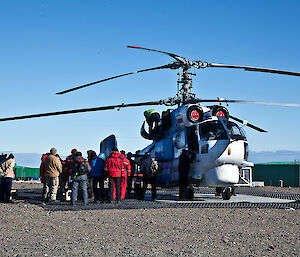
30	230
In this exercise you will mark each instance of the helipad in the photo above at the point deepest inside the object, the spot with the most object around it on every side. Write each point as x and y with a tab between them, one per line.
211	198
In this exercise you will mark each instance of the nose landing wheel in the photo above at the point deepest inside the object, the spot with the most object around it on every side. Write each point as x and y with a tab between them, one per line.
191	193
226	193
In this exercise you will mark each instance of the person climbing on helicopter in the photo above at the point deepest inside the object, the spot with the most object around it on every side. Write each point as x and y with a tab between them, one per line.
152	117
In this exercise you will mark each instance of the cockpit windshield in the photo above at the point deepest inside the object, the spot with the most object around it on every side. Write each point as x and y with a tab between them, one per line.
212	130
235	131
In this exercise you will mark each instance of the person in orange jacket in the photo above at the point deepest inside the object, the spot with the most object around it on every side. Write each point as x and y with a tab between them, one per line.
127	170
114	169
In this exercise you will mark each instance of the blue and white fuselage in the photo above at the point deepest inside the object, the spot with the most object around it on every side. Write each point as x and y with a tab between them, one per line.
220	146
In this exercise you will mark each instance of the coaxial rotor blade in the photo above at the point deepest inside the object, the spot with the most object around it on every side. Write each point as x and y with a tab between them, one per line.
247	124
263	103
114	77
243	102
217	65
175	56
82	110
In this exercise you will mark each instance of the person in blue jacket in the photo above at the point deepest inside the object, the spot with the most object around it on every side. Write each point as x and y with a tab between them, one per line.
97	177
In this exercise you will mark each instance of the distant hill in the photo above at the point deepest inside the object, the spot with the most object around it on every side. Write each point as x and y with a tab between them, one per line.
277	156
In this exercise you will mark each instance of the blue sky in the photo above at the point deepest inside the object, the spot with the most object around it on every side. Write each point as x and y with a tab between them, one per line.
49	46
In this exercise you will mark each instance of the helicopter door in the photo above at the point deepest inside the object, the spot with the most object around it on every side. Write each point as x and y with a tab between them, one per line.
192	138
108	144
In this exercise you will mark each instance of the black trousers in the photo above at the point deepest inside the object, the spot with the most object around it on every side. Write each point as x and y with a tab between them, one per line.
183	185
117	181
152	181
129	182
5	189
98	192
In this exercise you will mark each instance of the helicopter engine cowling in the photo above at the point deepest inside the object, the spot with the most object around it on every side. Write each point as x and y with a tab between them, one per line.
226	174
188	115
220	111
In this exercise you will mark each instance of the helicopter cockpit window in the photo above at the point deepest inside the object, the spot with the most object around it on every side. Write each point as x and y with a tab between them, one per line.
235	131
212	130
179	140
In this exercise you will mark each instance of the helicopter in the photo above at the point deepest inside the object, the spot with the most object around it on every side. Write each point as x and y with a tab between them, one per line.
209	131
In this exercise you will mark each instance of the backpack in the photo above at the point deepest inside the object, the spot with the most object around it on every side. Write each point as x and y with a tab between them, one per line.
80	169
154	168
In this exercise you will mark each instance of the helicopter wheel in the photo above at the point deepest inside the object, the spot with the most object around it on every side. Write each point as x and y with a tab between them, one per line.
226	194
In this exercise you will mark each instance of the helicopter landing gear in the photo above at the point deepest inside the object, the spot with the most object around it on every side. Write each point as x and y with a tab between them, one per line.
226	193
219	191
190	193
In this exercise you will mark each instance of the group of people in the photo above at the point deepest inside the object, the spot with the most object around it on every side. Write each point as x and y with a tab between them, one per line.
75	172
58	176
90	175
7	165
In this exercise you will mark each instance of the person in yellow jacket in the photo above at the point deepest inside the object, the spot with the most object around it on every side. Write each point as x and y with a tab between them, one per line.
152	117
7	174
53	168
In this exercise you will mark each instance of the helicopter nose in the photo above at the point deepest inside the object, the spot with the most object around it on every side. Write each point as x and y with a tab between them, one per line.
226	174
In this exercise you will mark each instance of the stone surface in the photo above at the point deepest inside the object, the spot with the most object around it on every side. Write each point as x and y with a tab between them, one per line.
28	229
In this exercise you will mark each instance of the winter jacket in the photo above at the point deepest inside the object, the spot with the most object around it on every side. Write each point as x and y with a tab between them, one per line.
42	168
126	164
81	167
53	166
184	164
98	169
7	168
145	165
114	166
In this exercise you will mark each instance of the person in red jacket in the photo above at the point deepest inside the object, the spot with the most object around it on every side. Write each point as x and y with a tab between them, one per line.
127	170
114	168
42	171
67	168
42	167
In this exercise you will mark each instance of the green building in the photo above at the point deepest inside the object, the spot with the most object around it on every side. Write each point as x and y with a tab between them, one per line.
275	173
25	173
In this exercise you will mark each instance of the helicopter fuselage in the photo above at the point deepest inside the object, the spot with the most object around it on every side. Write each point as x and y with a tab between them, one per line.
220	146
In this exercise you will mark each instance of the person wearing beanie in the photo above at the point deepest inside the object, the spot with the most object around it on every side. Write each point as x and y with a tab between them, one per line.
7	174
97	177
53	168
67	168
114	169
127	170
79	173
